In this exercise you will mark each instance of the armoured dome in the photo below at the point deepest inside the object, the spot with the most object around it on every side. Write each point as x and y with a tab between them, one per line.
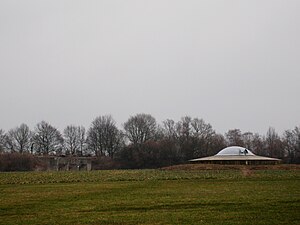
235	150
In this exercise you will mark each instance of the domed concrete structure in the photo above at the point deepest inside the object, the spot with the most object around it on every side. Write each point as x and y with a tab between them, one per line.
236	155
235	150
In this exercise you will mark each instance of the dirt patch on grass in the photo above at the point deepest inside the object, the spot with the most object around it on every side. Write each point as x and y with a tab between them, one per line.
246	171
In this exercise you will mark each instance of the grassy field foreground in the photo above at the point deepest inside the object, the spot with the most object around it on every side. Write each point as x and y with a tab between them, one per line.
151	197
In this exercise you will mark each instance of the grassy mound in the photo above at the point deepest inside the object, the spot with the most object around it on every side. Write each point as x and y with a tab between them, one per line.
232	167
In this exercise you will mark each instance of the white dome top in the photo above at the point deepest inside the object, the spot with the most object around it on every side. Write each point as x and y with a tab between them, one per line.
235	150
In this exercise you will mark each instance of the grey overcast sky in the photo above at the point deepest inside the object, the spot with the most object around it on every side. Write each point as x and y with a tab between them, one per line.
234	63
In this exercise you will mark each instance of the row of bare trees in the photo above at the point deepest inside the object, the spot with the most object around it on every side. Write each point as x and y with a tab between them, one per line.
144	143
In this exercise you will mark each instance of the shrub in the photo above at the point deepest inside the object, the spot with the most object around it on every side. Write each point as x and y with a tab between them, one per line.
104	163
17	162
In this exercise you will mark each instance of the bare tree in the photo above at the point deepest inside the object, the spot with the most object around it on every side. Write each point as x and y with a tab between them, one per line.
9	144
71	139
200	129
82	140
202	134
74	140
258	145
247	139
184	128
2	141
234	137
296	133
19	138
141	128
291	140
217	143
104	138
274	145
170	130
194	136
47	139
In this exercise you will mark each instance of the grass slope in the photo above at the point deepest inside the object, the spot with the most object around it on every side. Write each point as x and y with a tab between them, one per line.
151	197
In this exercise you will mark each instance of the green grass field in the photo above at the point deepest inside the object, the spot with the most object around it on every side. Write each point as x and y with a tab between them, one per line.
151	197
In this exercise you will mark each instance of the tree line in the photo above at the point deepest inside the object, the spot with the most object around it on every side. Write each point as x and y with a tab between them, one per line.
144	143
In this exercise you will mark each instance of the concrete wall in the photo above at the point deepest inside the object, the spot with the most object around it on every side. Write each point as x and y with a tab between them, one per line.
65	163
